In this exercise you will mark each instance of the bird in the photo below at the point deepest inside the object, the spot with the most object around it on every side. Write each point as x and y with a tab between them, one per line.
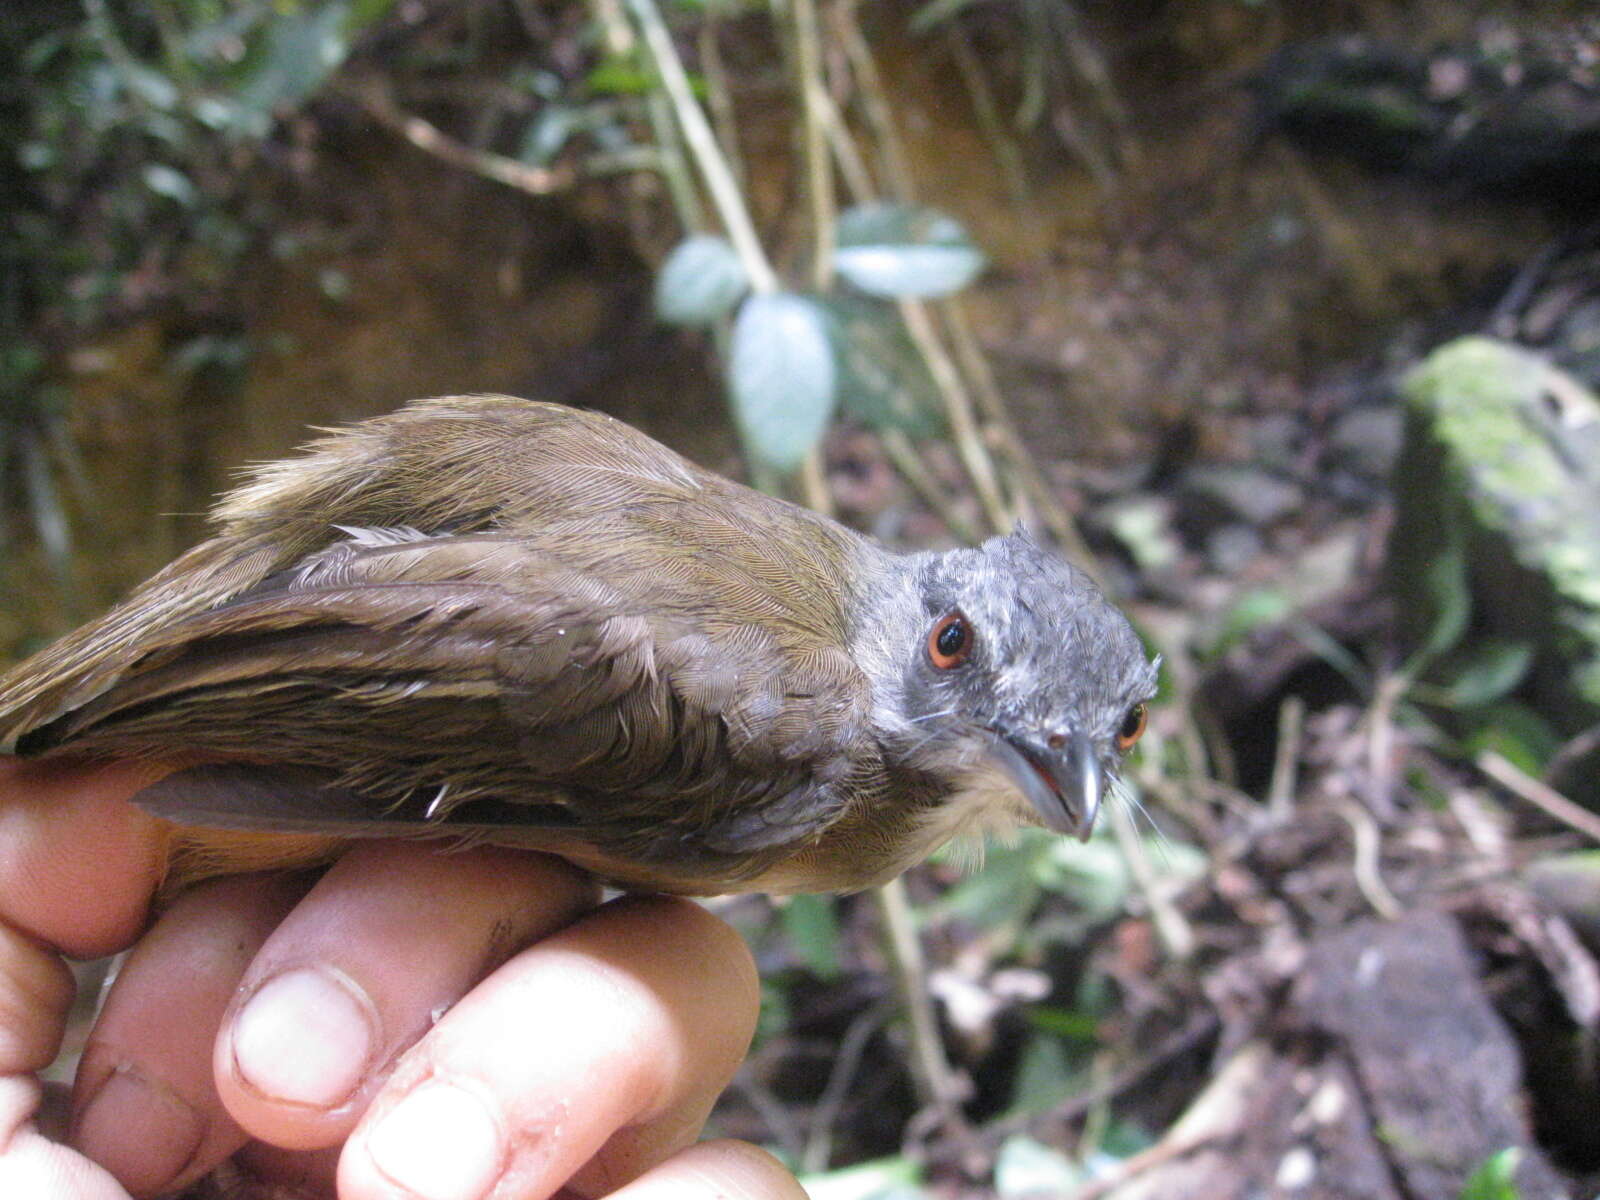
500	620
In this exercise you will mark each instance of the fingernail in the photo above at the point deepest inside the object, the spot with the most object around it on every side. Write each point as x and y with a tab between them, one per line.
138	1129
305	1037
439	1143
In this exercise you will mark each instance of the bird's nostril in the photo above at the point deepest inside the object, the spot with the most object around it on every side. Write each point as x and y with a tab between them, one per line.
1057	740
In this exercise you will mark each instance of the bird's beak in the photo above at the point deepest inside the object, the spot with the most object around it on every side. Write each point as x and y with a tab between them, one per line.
1064	784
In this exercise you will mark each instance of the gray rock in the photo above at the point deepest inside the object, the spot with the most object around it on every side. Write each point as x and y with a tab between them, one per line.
1367	440
1231	548
1276	439
1257	496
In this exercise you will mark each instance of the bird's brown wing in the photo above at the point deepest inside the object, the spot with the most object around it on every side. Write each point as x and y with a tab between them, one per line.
452	465
475	681
627	650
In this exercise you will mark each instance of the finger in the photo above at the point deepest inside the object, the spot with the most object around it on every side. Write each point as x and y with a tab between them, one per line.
33	1166
389	939
635	1016
721	1170
35	992
78	864
144	1103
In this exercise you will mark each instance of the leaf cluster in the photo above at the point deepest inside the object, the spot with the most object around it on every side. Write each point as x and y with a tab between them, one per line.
794	359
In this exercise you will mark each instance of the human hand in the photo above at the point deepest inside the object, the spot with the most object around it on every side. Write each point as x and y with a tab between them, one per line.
452	1025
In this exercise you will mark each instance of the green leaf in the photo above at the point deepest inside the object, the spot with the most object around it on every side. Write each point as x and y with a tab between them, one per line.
169	182
896	251
363	13
1142	524
548	133
621	77
1446	592
776	1014
1496	1178
1255	609
812	923
299	54
151	86
1007	889
1515	732
37	156
1482	672
782	378
1064	1022
334	284
1029	1170
882	1179
700	281
1045	1077
937	12
883	381
1094	875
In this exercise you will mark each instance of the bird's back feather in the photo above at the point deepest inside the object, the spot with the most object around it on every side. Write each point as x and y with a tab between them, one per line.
495	603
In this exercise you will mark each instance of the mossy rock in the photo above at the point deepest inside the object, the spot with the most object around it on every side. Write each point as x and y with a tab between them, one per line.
1500	477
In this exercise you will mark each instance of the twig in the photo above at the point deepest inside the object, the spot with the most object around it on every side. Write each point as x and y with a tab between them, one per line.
430	139
1571	752
534	23
807	61
825	1114
628	159
719	97
880	117
814	483
1056	518
906	460
930	1069
1200	1027
1001	144
1541	795
1091	67
958	411
1176	935
614	27
1380	739
1336	231
819	166
785	1128
1368	872
674	168
1286	761
1503	320
947	378
1162	1152
1184	676
857	178
1219	747
702	144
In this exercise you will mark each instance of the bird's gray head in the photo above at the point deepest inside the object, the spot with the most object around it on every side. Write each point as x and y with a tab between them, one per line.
1006	657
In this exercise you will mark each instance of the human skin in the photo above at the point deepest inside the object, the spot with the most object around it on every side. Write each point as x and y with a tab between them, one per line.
417	1022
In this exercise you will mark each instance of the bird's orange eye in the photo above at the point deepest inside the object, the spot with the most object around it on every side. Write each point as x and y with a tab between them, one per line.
950	640
1132	728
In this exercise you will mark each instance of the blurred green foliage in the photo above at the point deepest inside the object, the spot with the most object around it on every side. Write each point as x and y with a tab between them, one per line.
794	359
1496	1178
126	130
131	126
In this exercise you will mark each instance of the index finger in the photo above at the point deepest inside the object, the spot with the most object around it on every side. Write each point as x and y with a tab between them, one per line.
78	863
600	1048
